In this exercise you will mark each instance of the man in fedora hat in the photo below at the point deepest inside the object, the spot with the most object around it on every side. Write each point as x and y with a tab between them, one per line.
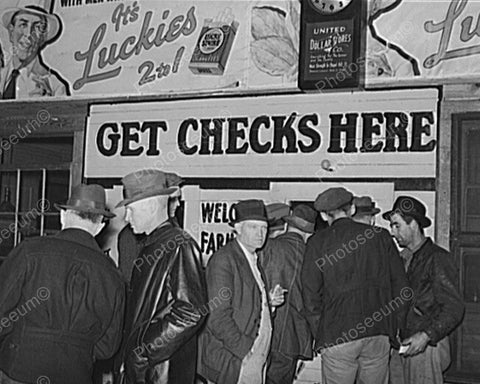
167	294
30	27
437	308
365	210
236	340
63	297
282	262
354	289
129	244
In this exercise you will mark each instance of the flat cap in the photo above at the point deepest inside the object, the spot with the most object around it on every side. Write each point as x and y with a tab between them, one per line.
332	198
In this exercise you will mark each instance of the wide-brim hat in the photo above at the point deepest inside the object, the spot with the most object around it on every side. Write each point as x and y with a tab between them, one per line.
332	199
36	7
409	206
87	198
249	210
365	205
143	184
303	217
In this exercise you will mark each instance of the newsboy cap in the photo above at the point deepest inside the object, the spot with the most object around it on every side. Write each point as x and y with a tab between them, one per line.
332	198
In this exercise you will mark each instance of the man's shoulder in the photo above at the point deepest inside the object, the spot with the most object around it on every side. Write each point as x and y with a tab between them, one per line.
225	254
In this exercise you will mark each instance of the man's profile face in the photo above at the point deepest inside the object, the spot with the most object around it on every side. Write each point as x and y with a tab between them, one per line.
141	214
27	33
252	234
402	231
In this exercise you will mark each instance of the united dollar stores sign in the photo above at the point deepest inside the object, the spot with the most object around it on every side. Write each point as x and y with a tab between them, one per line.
362	134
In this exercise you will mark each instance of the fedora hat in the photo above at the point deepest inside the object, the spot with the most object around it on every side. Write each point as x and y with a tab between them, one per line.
365	205
173	180
87	198
303	217
332	198
275	214
409	206
143	184
249	210
36	7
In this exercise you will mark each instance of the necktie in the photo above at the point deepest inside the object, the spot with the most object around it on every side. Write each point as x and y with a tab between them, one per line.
10	90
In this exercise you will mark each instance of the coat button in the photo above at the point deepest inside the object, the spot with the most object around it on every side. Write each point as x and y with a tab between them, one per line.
12	346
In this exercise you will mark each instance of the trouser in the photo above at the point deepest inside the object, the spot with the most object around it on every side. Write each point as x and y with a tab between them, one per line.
281	368
364	360
424	368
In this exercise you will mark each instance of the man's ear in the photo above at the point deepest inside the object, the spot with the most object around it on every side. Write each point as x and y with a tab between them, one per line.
324	216
353	209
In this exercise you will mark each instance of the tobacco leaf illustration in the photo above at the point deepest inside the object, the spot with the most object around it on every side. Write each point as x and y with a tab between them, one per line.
268	22
275	44
274	55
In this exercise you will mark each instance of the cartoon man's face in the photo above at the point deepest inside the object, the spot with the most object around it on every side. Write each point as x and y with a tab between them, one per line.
27	33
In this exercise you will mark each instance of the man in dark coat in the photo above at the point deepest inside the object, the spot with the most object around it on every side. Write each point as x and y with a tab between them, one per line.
282	263
63	299
437	308
354	290
166	302
235	342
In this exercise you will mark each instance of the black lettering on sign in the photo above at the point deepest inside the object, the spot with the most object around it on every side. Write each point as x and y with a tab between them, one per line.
254	134
396	125
369	129
128	137
235	133
182	136
113	137
211	242
284	130
309	132
336	129
419	129
216	212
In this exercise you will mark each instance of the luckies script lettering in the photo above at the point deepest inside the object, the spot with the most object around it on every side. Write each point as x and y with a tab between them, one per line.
101	62
446	27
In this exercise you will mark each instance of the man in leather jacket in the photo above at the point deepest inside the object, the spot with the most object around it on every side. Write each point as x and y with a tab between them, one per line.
436	309
166	302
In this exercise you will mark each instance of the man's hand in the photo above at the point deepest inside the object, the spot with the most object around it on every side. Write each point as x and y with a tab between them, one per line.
277	296
416	344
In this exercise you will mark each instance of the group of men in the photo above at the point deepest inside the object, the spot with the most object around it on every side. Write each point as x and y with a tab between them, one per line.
264	302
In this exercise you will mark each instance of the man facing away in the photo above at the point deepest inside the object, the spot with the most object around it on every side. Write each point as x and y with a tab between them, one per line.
354	287
282	263
365	210
236	340
71	296
167	296
437	308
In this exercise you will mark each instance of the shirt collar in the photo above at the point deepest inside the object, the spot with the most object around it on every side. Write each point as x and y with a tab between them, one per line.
250	256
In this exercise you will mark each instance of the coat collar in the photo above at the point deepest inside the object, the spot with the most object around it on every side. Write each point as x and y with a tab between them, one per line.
79	236
158	232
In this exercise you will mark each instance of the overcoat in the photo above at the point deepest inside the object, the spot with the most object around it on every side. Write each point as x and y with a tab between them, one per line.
234	320
64	300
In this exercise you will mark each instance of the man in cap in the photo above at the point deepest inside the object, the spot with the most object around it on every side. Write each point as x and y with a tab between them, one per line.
129	244
437	308
354	287
236	340
365	210
275	214
283	260
167	289
63	297
30	27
